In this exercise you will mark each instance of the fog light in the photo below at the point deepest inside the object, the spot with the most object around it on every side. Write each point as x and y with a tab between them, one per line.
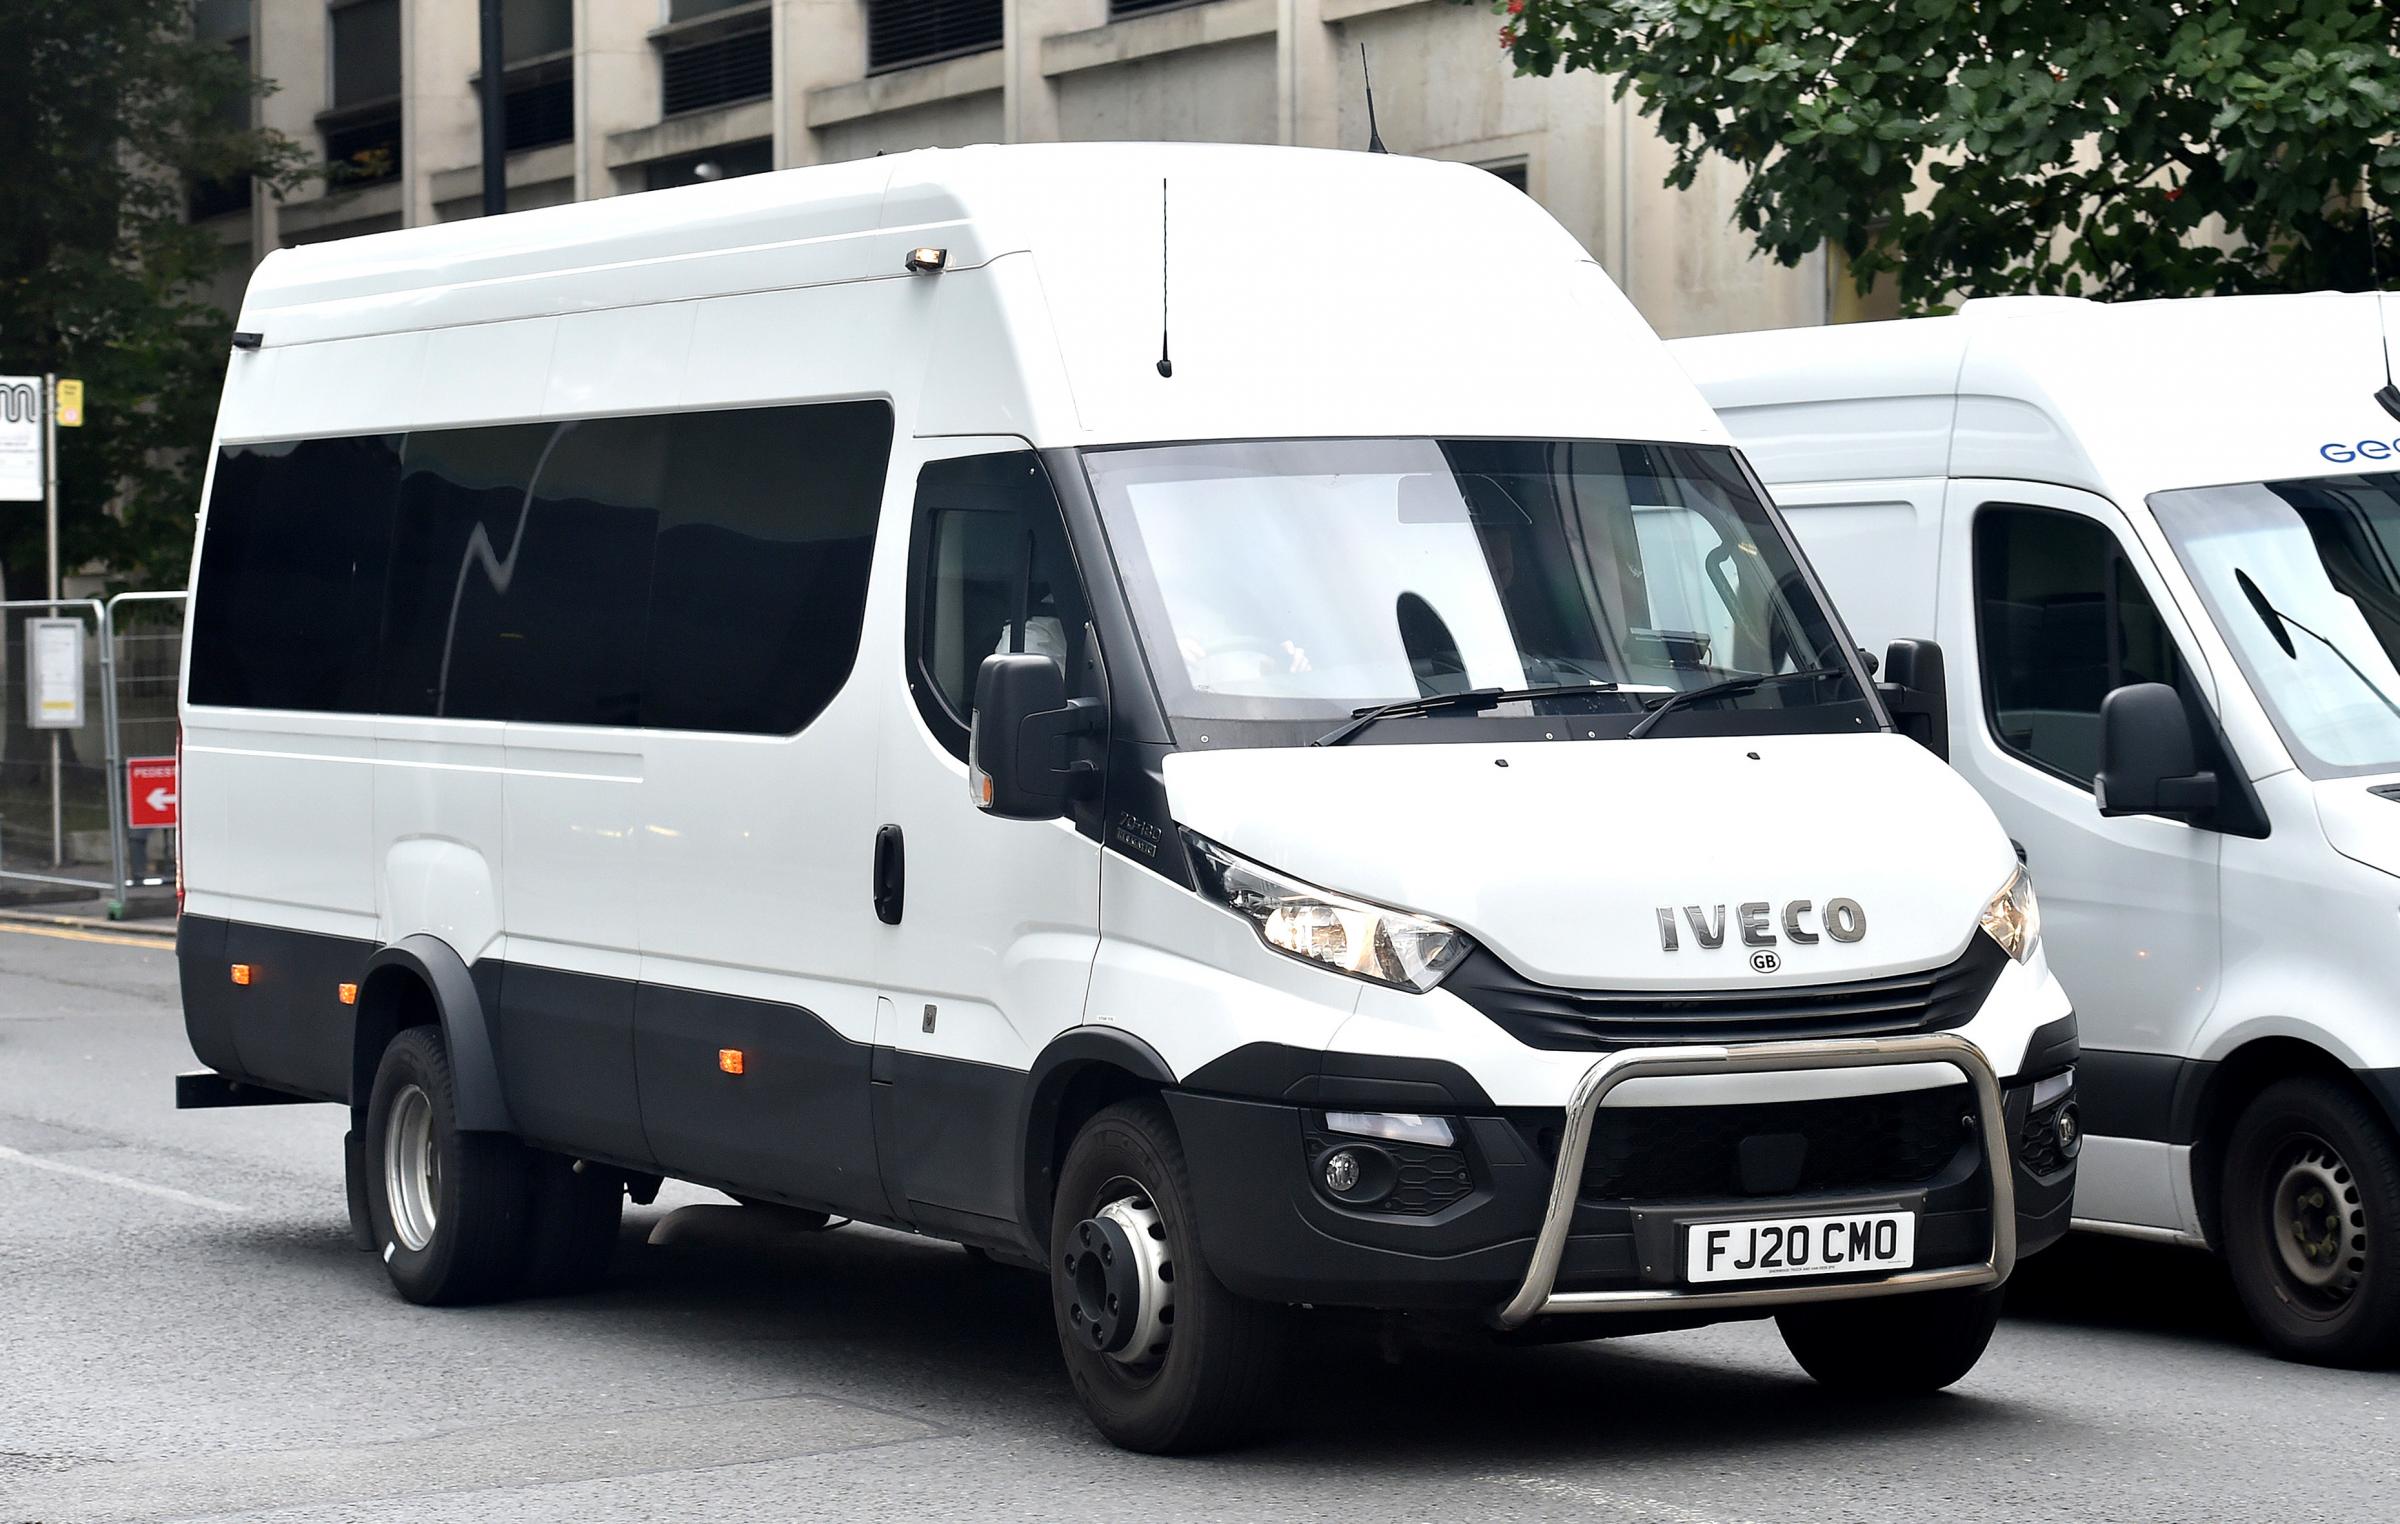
1341	1172
2070	1131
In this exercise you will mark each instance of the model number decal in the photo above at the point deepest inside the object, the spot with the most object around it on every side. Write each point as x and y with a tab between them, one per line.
1756	921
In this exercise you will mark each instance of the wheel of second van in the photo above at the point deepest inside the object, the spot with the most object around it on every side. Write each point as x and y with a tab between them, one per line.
1892	1346
450	1209
2311	1219
574	1210
1164	1358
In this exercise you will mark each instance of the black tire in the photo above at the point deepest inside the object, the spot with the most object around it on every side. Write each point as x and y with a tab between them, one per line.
1892	1346
572	1231
476	1246
1214	1382
2310	1212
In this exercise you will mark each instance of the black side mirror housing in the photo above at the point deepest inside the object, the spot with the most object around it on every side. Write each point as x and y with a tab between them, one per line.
1020	762
1916	689
2147	764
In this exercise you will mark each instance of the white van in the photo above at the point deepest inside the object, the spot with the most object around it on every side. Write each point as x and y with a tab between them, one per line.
2160	542
1112	705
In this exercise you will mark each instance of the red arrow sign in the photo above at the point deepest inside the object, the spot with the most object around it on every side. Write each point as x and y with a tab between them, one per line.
150	793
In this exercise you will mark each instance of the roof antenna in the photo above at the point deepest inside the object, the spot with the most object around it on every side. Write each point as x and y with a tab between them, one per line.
1374	138
1166	367
2389	396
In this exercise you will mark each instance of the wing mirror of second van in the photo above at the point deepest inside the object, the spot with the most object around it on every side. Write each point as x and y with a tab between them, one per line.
2147	765
1916	691
1020	745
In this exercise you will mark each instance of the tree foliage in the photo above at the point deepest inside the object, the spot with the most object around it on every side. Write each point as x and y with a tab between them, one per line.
109	110
2104	148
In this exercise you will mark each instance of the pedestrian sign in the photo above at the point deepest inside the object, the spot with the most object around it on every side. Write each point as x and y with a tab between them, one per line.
150	793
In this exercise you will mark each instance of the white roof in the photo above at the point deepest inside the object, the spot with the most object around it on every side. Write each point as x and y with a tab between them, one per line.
1310	292
2122	398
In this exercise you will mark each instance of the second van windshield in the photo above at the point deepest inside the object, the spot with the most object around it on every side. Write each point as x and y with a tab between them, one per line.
1282	584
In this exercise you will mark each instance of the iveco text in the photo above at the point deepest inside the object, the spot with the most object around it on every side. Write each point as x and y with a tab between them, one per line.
1192	829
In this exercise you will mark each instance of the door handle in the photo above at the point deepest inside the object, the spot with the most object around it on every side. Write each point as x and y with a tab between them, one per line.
891	875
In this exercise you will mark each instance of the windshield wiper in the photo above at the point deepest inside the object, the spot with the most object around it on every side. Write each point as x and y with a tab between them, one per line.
1471	699
2275	619
1725	689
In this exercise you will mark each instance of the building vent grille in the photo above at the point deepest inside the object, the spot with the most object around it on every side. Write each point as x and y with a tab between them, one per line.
540	114
1119	8
718	72
904	32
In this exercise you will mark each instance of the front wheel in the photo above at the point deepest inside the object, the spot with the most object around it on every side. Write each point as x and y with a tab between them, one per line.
1892	1346
447	1208
2311	1215
1164	1358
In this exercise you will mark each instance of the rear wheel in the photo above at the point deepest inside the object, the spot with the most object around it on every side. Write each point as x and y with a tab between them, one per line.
1892	1346
448	1209
1164	1358
2311	1214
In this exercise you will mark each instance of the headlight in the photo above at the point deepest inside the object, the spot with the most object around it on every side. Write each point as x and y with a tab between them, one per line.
1350	936
2012	919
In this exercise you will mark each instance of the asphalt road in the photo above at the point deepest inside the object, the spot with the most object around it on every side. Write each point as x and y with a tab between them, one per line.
186	1333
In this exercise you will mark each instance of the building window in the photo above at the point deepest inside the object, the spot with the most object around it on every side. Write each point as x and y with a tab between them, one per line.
226	22
1122	8
1512	171
728	163
362	130
719	70
537	44
905	32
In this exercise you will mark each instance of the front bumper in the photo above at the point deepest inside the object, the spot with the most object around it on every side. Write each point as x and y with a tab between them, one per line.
1521	1233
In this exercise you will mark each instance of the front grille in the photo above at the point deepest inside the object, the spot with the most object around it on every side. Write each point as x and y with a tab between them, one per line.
1547	1016
1845	1143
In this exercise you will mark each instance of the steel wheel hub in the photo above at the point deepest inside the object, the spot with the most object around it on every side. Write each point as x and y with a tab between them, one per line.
1122	1302
412	1169
2320	1223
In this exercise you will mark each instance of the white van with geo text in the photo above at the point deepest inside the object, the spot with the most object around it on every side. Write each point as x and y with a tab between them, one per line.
2160	542
1097	703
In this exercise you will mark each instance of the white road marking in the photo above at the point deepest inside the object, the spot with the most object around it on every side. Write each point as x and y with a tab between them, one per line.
1653	1509
80	1172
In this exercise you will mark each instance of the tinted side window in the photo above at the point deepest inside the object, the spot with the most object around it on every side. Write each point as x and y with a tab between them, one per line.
291	574
2063	619
759	586
465	501
990	572
578	606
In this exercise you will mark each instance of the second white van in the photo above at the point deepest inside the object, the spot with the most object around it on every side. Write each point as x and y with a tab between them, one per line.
2160	543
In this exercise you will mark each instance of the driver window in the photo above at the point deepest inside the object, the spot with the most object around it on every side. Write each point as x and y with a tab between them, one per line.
2063	619
990	574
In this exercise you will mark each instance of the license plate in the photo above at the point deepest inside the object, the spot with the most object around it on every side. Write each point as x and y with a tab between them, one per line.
1764	1247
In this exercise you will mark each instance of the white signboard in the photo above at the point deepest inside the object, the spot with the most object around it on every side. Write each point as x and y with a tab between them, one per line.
20	439
54	674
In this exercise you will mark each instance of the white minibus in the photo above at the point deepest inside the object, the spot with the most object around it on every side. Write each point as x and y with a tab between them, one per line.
1146	710
2160	542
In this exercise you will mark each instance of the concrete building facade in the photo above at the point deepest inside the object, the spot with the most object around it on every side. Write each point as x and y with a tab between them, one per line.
615	97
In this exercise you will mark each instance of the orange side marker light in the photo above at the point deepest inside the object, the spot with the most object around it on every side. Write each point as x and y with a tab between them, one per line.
348	992
241	973
730	1060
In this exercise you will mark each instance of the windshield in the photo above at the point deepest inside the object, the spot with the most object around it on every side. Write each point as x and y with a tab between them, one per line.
2303	579
1282	585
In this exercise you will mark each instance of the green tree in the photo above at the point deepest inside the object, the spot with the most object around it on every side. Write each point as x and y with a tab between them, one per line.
2103	148
109	111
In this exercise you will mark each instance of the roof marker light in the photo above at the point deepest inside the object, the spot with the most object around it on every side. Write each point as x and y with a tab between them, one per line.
928	261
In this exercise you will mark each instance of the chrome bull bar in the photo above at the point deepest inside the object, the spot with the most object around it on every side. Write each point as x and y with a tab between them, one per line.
1537	1294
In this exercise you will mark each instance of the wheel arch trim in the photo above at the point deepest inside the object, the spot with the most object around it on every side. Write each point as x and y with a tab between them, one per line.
480	1098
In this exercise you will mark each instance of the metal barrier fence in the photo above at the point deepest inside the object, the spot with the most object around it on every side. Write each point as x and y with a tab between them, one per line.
65	812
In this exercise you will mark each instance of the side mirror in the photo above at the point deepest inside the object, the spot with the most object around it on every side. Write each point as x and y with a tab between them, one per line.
1018	761
1916	689
2146	756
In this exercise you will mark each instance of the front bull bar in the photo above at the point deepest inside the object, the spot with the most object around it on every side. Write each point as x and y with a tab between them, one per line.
1537	1295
